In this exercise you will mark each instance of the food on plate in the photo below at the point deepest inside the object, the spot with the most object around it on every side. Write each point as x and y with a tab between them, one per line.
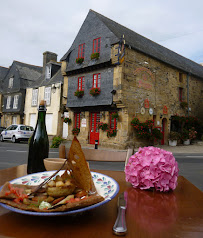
71	190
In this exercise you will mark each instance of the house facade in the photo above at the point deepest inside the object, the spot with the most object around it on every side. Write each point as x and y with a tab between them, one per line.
112	71
48	87
18	77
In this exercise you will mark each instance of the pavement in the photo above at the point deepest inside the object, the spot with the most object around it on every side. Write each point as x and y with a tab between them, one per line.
196	147
193	148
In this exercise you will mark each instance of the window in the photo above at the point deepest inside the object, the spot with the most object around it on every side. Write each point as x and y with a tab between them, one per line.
81	82
113	122
10	83
47	95
15	102
14	121
34	97
77	119
96	45
48	71
180	77
8	103
81	51
180	94
96	81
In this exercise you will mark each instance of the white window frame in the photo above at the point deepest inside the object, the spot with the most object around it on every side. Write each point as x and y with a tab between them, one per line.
15	101
8	103
47	95
10	83
48	71
34	96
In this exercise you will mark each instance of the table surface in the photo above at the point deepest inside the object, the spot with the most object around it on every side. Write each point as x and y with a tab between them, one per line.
149	214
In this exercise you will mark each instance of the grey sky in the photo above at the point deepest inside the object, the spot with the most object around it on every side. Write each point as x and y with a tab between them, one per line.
30	27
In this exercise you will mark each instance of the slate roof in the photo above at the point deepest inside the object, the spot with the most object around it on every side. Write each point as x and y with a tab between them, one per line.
3	72
27	71
41	81
146	46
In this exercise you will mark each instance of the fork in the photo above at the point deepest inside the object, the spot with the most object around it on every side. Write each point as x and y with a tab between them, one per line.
46	181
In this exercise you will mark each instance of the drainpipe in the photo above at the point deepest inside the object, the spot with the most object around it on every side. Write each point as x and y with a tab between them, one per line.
188	93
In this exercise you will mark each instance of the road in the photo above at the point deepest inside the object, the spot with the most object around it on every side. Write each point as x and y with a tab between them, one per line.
190	165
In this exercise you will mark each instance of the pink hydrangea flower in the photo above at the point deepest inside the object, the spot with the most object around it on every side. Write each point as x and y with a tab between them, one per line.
152	167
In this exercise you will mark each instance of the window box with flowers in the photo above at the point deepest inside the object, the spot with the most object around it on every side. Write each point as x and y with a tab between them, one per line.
114	115
67	120
79	60
79	93
75	131
103	126
95	91
111	133
95	55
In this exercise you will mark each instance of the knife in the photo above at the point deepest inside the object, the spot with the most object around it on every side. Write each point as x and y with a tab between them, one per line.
119	227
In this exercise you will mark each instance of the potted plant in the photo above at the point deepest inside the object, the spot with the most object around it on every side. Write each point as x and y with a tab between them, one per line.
173	138
185	137
79	60
95	91
192	133
79	93
95	56
67	120
76	131
103	126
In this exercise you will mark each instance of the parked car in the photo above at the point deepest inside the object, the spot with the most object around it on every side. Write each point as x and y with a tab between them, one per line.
2	128
17	133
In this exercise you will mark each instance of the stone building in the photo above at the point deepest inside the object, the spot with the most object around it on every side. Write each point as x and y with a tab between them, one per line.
47	87
133	75
18	77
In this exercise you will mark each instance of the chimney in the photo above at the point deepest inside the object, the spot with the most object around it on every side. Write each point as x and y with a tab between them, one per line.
47	57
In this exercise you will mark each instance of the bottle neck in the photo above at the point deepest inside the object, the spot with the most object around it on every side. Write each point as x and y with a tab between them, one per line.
41	117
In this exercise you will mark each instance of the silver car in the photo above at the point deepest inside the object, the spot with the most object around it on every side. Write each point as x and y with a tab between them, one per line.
16	133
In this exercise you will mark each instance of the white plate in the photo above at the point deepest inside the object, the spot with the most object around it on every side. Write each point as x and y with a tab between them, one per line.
105	185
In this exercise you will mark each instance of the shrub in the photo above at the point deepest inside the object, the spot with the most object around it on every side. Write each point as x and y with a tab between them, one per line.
192	133
184	135
57	140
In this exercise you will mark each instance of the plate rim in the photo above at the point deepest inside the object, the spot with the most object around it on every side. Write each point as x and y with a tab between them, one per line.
71	212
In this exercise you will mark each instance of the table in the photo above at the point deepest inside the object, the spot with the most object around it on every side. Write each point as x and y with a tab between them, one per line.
149	214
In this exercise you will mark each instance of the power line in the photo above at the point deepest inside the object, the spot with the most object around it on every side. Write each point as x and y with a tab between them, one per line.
180	36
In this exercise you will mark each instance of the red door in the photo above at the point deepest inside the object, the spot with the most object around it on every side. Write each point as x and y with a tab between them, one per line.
94	131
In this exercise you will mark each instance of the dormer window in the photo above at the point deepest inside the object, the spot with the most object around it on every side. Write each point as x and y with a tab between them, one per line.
96	45
48	71
10	83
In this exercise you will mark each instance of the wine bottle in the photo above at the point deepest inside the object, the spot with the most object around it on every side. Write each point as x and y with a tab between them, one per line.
39	143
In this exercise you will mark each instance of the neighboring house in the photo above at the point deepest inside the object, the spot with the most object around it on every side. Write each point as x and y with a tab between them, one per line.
48	87
135	77
17	79
3	72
